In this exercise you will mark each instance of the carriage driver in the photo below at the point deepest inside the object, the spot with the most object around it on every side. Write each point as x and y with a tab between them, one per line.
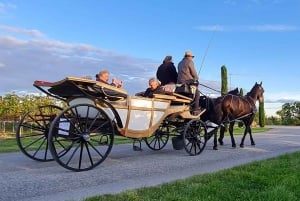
187	72
103	76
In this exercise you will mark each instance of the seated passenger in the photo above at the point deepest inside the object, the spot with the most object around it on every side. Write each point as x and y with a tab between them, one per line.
166	72
154	88
103	76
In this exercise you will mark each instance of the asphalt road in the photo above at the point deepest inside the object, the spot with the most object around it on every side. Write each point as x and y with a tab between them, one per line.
24	179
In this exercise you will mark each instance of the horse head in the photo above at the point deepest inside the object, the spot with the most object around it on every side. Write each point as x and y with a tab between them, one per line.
257	92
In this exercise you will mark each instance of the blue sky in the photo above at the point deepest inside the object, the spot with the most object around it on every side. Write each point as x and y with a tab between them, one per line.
257	40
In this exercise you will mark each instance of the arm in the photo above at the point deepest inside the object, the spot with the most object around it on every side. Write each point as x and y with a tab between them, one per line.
174	73
193	71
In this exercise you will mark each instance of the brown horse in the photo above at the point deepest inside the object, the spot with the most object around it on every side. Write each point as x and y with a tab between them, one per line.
231	108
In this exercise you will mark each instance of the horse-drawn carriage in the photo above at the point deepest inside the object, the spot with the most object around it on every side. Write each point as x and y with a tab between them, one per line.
81	135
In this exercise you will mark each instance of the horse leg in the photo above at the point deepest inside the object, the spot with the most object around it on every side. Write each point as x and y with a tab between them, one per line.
245	133
231	134
251	138
215	140
222	131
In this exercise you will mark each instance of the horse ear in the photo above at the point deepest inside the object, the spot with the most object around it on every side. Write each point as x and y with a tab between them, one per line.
260	83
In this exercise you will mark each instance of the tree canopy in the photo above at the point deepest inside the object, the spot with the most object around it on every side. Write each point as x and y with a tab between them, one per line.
290	113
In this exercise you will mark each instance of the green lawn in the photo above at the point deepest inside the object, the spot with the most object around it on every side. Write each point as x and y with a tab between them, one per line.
274	179
8	142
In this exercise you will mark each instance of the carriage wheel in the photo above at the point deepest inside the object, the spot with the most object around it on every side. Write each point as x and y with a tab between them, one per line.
195	137
81	137
159	139
32	132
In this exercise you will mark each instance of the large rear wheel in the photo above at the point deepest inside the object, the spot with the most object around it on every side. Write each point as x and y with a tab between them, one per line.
81	137
32	132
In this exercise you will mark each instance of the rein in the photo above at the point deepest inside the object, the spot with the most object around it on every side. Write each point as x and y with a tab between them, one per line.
210	88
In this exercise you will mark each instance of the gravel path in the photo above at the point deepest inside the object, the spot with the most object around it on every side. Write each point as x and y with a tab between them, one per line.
24	179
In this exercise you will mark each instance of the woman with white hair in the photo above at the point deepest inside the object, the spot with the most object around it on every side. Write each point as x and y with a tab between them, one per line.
154	88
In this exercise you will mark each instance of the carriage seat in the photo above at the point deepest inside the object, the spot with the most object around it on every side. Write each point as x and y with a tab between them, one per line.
174	97
188	89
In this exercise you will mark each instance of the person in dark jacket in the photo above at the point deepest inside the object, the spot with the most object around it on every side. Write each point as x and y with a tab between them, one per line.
154	88
166	72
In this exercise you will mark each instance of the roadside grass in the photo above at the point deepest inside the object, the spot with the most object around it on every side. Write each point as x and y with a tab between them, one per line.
8	142
273	179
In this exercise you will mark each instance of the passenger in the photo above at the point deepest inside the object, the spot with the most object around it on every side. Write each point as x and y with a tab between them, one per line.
97	77
154	88
103	76
186	73
166	72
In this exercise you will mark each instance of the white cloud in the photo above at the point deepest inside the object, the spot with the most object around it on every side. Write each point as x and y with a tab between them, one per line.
253	28
251	2
282	97
5	7
272	28
23	61
25	32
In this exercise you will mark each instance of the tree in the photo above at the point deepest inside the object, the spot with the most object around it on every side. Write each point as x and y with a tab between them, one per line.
290	113
241	92
224	86
261	114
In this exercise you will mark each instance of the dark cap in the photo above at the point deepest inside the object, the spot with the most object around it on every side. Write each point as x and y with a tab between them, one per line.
168	59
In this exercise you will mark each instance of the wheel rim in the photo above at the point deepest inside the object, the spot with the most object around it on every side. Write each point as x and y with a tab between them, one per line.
32	132
81	137
194	136
159	139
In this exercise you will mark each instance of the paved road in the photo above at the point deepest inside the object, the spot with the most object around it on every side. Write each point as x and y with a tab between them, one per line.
24	179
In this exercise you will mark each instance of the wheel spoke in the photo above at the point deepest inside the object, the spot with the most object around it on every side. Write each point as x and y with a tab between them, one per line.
80	155
35	141
37	150
72	155
96	150
89	154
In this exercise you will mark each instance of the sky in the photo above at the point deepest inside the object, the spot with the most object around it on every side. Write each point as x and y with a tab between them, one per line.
257	41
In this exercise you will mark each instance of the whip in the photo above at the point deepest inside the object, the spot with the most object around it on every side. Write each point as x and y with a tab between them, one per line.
205	53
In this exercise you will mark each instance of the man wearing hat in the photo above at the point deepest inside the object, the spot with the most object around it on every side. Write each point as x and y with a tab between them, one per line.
187	72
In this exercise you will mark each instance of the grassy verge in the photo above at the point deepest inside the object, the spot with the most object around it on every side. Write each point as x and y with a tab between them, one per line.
270	180
8	142
239	131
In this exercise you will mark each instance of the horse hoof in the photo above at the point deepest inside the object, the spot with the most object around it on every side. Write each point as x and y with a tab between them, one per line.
241	145
221	142
234	145
252	143
215	148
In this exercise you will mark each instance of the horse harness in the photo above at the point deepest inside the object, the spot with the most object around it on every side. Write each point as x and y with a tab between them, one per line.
252	106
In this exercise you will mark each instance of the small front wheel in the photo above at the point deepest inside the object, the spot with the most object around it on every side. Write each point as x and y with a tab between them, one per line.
195	137
81	137
159	139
